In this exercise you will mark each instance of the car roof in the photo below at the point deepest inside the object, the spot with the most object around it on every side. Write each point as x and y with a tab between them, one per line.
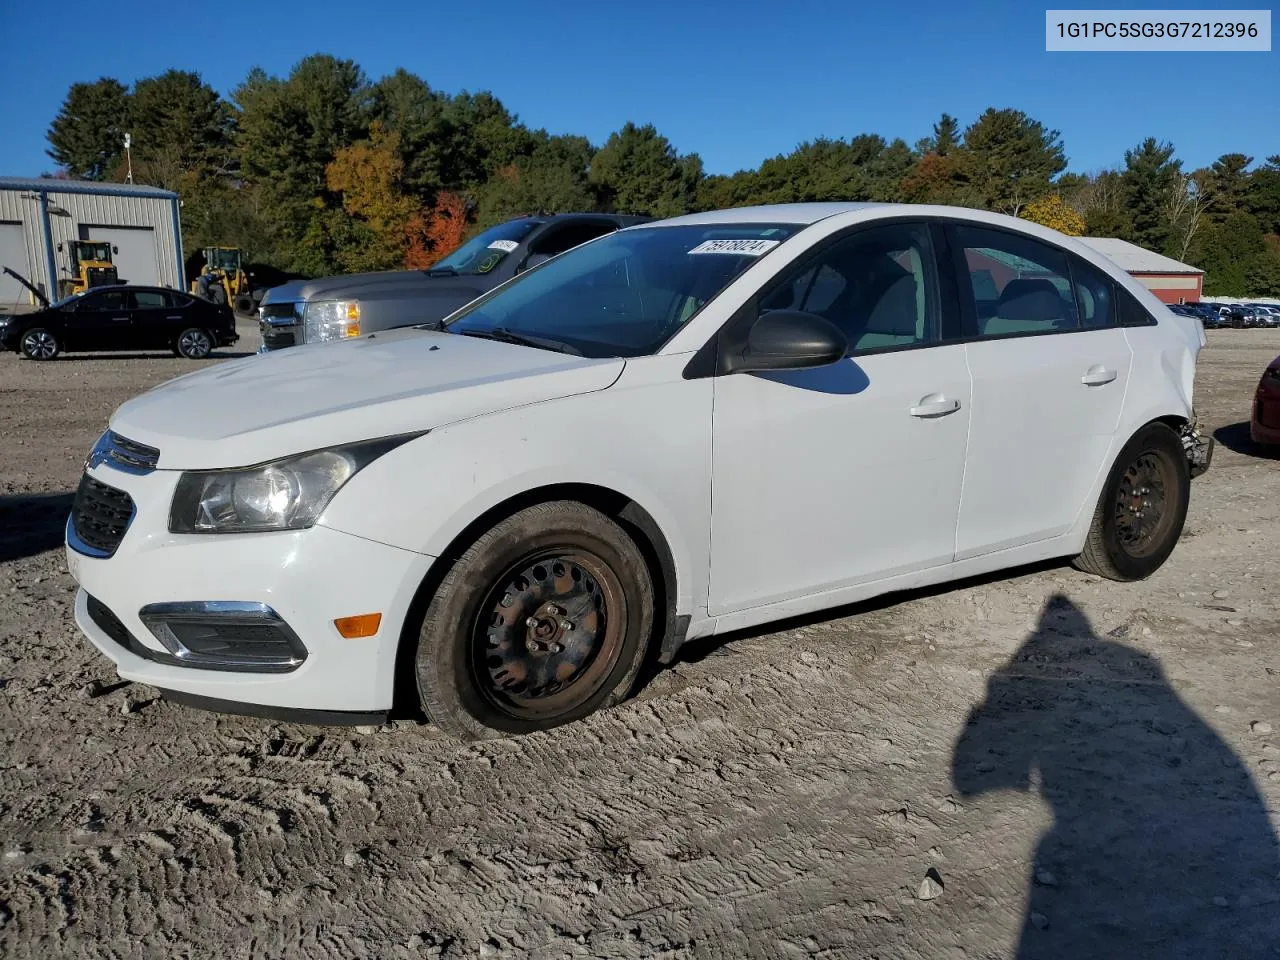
801	213
624	219
130	286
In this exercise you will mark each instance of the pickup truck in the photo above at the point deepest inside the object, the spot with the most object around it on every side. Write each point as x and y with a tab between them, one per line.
336	308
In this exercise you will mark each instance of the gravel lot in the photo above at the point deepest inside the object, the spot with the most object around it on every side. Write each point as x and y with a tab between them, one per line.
1091	769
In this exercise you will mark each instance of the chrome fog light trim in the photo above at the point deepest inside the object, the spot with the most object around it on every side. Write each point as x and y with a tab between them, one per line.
225	634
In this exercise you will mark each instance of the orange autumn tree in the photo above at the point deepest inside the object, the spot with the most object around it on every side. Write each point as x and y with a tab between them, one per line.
434	234
368	176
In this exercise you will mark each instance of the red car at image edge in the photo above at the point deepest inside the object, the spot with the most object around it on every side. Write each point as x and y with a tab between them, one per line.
1264	425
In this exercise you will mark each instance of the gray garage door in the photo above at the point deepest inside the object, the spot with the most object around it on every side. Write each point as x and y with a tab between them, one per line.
13	254
136	262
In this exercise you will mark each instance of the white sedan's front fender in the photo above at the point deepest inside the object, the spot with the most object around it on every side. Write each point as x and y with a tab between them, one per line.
647	437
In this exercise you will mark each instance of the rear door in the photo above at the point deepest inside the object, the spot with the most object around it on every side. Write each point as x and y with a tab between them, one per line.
1050	369
154	318
100	321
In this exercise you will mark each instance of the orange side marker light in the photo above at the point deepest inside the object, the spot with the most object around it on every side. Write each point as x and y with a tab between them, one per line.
358	627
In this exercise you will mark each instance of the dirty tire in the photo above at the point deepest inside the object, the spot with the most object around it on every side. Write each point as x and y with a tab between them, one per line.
1133	533
39	344
492	662
194	343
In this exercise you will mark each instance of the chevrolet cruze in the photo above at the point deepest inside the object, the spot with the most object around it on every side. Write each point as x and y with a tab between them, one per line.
679	429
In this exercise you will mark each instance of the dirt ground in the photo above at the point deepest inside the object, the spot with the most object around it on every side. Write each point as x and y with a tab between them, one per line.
1090	769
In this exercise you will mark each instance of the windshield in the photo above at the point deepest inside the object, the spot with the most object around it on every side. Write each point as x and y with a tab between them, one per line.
67	299
482	253
94	251
625	294
228	260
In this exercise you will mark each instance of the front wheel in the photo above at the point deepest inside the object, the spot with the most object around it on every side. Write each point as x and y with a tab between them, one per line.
543	620
39	344
1142	509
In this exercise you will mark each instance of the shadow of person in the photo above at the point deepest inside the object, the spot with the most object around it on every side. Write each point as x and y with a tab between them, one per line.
1160	845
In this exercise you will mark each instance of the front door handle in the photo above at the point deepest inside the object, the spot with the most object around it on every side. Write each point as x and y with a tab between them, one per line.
1097	375
934	405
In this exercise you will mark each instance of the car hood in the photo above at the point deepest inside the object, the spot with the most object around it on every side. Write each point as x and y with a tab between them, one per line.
385	285
276	404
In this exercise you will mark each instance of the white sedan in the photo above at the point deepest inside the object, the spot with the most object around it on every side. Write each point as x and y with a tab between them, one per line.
680	429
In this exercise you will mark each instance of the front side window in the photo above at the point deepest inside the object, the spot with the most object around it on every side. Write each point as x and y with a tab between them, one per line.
876	286
623	295
104	301
483	252
1018	285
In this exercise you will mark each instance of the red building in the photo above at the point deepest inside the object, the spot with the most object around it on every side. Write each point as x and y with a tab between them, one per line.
1171	281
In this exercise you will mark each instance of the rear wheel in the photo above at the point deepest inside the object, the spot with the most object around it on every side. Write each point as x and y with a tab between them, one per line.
39	344
543	620
1142	509
193	343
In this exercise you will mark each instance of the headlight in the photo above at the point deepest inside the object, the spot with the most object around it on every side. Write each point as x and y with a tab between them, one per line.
286	494
330	320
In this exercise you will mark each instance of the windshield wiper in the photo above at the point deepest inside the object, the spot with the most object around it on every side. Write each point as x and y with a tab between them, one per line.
522	339
442	272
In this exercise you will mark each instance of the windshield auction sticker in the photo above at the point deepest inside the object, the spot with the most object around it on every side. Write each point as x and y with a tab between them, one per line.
1117	31
506	246
749	248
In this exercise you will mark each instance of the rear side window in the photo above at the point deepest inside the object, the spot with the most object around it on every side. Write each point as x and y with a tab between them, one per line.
1018	285
1130	312
558	239
148	299
1094	295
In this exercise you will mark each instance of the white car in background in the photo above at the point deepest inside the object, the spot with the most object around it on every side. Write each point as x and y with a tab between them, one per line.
679	429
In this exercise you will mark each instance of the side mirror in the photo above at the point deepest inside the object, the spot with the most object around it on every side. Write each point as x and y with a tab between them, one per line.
114	248
789	340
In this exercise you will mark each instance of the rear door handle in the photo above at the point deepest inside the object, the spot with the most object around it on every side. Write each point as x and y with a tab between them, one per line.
934	405
1097	375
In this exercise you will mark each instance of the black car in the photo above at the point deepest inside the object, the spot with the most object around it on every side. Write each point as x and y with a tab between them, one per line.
336	308
121	318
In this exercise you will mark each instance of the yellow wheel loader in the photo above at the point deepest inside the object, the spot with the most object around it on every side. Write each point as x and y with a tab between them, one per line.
91	266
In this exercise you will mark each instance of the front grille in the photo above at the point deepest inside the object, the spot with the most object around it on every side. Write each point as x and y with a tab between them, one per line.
279	325
102	276
129	453
273	338
123	453
101	515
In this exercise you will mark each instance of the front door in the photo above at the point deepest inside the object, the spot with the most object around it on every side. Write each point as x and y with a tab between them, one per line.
1050	370
100	321
851	473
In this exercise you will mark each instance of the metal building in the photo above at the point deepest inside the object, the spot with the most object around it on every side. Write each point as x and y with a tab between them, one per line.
1169	279
39	218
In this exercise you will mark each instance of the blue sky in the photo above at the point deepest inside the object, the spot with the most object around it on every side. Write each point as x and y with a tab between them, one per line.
733	82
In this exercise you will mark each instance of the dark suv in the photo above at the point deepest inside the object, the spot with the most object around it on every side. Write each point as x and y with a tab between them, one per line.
336	308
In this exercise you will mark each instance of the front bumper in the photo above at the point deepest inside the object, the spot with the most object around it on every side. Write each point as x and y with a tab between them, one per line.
308	578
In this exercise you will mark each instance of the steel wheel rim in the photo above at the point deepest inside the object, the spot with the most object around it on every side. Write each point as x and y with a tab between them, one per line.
548	634
194	343
1141	508
40	345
